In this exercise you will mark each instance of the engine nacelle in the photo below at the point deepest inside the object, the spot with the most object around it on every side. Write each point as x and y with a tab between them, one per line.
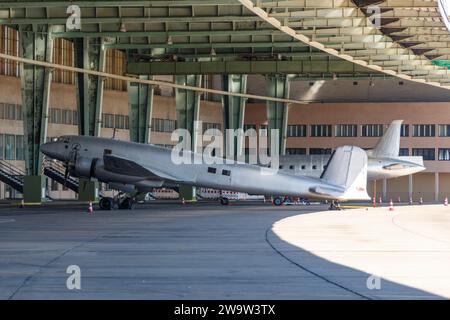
83	167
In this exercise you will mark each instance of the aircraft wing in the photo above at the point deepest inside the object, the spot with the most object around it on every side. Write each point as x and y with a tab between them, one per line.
126	166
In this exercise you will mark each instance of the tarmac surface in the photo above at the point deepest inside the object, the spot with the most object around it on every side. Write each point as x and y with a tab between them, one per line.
208	251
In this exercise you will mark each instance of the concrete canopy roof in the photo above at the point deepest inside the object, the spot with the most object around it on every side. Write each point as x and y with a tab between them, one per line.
339	33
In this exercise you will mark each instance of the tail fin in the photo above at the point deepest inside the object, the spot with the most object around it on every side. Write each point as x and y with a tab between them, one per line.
347	169
389	144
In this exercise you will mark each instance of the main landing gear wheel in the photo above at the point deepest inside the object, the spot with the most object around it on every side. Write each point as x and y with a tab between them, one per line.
335	205
224	201
278	201
106	203
126	204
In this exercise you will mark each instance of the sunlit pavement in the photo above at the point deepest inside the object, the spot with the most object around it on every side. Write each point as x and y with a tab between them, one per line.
203	251
408	247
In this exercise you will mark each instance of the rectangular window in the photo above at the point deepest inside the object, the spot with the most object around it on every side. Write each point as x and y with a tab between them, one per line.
427	153
346	130
2	146
404	131
296	151
2	111
10	147
10	111
424	130
127	122
67	117
444	130
444	154
163	125
19	114
119	121
321	130
372	130
212	170
20	148
157	125
169	125
108	120
313	151
215	127
75	117
226	173
404	152
296	130
56	116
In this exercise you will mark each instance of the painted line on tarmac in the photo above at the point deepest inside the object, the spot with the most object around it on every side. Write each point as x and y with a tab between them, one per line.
312	272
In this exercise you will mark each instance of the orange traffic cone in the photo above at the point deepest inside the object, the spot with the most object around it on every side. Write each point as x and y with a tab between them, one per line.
380	200
391	206
446	202
90	208
374	203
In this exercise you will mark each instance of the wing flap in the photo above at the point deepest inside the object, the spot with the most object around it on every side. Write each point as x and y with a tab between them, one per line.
121	165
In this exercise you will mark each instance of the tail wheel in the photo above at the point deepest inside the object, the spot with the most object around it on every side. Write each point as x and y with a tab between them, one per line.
106	204
278	201
126	204
224	201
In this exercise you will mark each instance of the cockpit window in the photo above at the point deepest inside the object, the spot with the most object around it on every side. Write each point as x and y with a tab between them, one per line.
64	139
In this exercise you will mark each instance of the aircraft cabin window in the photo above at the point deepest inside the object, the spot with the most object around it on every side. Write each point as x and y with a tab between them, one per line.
212	170
291	167
314	167
226	173
303	167
281	167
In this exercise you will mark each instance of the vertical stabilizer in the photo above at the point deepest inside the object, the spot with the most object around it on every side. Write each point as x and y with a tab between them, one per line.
347	169
389	144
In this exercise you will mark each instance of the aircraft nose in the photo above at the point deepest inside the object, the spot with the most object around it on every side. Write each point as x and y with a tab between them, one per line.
51	150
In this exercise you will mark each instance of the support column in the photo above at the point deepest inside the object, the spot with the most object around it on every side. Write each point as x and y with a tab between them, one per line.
436	186
35	43
188	111
140	106
89	54
277	112
410	186
233	110
385	190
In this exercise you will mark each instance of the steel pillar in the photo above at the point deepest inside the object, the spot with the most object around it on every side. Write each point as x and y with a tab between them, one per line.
140	105
233	110
436	187
277	112
89	54
188	111
35	43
